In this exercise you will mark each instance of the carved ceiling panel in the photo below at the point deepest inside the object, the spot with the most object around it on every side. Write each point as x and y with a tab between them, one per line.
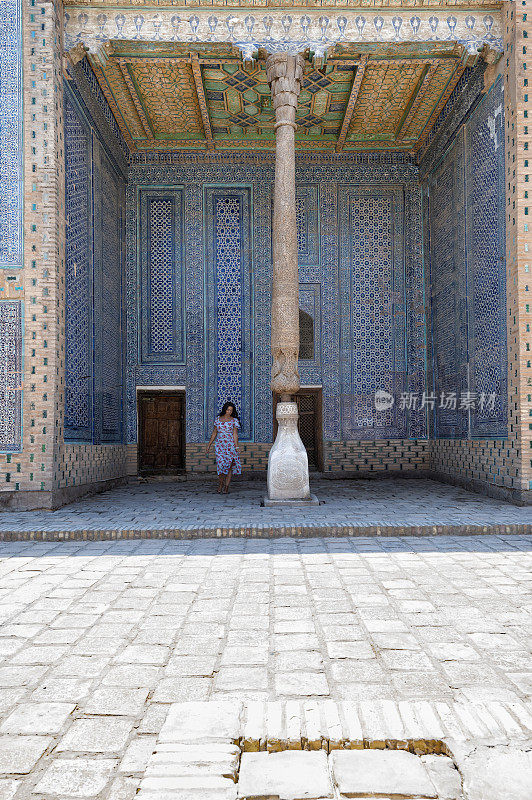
168	96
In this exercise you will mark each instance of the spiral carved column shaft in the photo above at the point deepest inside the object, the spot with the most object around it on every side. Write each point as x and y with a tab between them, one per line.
288	478
284	76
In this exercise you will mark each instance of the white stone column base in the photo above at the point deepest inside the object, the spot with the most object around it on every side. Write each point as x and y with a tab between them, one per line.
288	462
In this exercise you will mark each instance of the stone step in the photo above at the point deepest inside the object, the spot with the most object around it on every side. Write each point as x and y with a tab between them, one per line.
262	531
325	750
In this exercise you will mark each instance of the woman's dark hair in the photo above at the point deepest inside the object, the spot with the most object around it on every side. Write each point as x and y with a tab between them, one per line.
226	406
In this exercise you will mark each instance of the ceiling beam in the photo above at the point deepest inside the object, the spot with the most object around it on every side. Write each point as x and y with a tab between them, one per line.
351	103
412	107
109	96
202	102
136	100
453	80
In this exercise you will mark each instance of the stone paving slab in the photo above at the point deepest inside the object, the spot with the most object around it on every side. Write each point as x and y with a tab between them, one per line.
347	507
338	767
101	642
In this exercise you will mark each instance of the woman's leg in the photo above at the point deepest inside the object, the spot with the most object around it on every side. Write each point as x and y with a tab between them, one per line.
228	478
221	479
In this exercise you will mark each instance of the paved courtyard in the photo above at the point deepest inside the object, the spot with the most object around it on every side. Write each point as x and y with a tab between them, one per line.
195	505
98	639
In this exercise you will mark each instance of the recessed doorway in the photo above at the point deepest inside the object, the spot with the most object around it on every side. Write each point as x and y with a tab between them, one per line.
309	424
161	432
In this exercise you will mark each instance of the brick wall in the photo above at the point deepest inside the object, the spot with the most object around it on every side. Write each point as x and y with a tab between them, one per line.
40	285
87	463
517	37
390	455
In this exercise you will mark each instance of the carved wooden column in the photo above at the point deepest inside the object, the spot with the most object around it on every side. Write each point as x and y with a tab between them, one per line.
287	463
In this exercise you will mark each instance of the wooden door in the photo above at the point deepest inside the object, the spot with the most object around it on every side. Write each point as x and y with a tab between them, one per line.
162	432
309	425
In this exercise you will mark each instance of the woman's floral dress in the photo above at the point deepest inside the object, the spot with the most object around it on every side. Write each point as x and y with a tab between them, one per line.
224	447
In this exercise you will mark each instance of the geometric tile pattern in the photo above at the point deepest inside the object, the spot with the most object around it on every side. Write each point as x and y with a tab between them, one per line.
215	196
161	276
95	217
78	303
466	222
228	299
108	266
308	241
310	304
229	271
160	305
11	178
448	291
486	263
374	332
10	375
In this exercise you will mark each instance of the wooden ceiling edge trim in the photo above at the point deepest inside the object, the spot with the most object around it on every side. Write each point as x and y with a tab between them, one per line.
113	105
417	97
135	99
438	108
351	103
202	102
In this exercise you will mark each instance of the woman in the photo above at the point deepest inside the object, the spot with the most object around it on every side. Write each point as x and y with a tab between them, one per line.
225	432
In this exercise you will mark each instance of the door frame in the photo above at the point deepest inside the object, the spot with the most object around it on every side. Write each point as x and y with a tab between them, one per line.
147	391
317	391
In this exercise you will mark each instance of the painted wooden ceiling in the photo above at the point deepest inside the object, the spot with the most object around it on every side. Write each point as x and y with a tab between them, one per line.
167	96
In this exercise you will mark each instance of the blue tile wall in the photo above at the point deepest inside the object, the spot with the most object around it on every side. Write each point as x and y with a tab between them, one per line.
11	121
465	227
228	295
486	263
242	184
448	290
310	302
10	376
373	309
78	200
161	277
109	227
95	255
307	218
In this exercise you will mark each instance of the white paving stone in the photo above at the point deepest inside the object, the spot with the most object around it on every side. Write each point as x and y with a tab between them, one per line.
378	773
79	777
37	718
96	735
202	722
444	775
503	773
19	754
290	775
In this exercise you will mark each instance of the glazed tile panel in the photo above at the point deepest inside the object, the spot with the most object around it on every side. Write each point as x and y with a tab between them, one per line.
161	276
487	263
95	217
229	362
357	216
372	344
10	375
11	177
466	227
78	369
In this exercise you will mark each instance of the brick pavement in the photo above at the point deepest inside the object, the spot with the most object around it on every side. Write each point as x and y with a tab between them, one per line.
361	506
99	639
